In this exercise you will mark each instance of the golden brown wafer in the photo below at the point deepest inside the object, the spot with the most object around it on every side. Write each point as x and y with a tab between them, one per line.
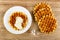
40	10
47	24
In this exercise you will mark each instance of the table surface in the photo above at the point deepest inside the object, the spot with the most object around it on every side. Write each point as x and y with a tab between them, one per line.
33	33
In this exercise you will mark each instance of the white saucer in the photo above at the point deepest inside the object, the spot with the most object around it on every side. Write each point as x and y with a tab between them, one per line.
17	9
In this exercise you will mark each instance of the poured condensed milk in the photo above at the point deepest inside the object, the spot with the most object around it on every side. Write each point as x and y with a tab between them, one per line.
18	20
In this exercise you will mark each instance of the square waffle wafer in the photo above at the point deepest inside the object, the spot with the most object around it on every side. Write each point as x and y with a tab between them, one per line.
47	24
40	10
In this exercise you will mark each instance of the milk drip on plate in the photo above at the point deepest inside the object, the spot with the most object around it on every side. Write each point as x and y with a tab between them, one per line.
18	22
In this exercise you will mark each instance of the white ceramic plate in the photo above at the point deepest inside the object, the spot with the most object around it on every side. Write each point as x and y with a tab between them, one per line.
17	9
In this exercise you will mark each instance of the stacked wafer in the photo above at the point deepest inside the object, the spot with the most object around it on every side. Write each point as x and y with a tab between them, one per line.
44	17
